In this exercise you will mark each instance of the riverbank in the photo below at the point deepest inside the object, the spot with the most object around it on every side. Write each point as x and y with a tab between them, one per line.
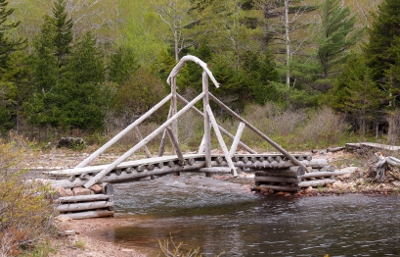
75	240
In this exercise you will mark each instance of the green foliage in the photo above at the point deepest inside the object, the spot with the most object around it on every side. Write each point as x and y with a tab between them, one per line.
44	60
337	35
26	212
86	63
122	63
7	45
356	93
63	36
382	35
136	96
171	249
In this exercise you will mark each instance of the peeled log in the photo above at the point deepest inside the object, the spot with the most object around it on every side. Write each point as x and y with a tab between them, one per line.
276	179
277	188
315	183
83	198
90	214
84	206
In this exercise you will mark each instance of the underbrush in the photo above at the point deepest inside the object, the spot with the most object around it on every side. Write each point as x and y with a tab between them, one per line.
26	212
294	130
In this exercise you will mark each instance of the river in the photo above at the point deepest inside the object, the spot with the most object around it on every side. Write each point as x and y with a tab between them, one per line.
223	215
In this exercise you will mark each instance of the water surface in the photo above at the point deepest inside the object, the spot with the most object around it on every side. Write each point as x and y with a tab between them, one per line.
223	215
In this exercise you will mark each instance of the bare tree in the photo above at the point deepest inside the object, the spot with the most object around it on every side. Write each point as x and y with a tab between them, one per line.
176	15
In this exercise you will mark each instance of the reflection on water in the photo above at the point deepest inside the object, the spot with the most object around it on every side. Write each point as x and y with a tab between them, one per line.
223	215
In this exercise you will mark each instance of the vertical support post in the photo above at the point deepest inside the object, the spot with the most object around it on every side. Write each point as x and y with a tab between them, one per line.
174	108
207	127
237	138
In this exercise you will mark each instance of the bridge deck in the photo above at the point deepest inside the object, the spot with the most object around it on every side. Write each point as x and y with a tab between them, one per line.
137	169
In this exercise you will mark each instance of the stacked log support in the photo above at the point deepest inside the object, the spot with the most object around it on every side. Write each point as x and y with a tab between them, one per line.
84	203
276	174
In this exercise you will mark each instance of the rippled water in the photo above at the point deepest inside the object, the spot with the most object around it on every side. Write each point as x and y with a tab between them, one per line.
223	215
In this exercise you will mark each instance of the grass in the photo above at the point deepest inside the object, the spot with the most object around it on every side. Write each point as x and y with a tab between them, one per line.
80	244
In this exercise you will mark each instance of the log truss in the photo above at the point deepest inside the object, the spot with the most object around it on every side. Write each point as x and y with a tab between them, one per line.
229	162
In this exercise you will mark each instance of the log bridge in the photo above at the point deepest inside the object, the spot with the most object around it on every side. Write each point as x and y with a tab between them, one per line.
278	171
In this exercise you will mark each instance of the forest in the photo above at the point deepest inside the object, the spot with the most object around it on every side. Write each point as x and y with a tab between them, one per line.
87	67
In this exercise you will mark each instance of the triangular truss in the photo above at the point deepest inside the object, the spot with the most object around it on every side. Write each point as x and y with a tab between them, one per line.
169	127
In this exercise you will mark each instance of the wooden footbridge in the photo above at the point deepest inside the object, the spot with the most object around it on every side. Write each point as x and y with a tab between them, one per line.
278	171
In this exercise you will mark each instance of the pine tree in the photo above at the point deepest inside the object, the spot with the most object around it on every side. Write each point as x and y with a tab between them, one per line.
337	36
83	100
356	93
123	63
63	37
384	31
7	45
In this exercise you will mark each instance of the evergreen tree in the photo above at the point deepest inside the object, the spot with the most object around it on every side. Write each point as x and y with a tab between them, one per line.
44	60
337	36
122	64
83	98
63	36
355	92
7	45
382	34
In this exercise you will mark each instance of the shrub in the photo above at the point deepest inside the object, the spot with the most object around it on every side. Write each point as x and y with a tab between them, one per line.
25	209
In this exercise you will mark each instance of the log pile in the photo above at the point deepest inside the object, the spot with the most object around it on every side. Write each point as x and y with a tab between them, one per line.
295	178
384	168
84	203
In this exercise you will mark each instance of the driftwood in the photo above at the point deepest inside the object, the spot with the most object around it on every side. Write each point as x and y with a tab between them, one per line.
382	166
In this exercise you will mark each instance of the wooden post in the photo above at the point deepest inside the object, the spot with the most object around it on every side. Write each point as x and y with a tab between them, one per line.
207	127
140	138
123	132
221	141
258	132
244	146
237	138
174	108
176	147
164	137
110	167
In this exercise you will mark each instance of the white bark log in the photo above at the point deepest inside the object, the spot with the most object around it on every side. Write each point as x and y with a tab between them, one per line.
90	214
84	206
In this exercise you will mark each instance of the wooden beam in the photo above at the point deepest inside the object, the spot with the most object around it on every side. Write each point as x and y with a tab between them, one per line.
84	206
192	58
244	146
152	135
140	138
221	141
123	132
176	146
207	127
258	132
237	138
